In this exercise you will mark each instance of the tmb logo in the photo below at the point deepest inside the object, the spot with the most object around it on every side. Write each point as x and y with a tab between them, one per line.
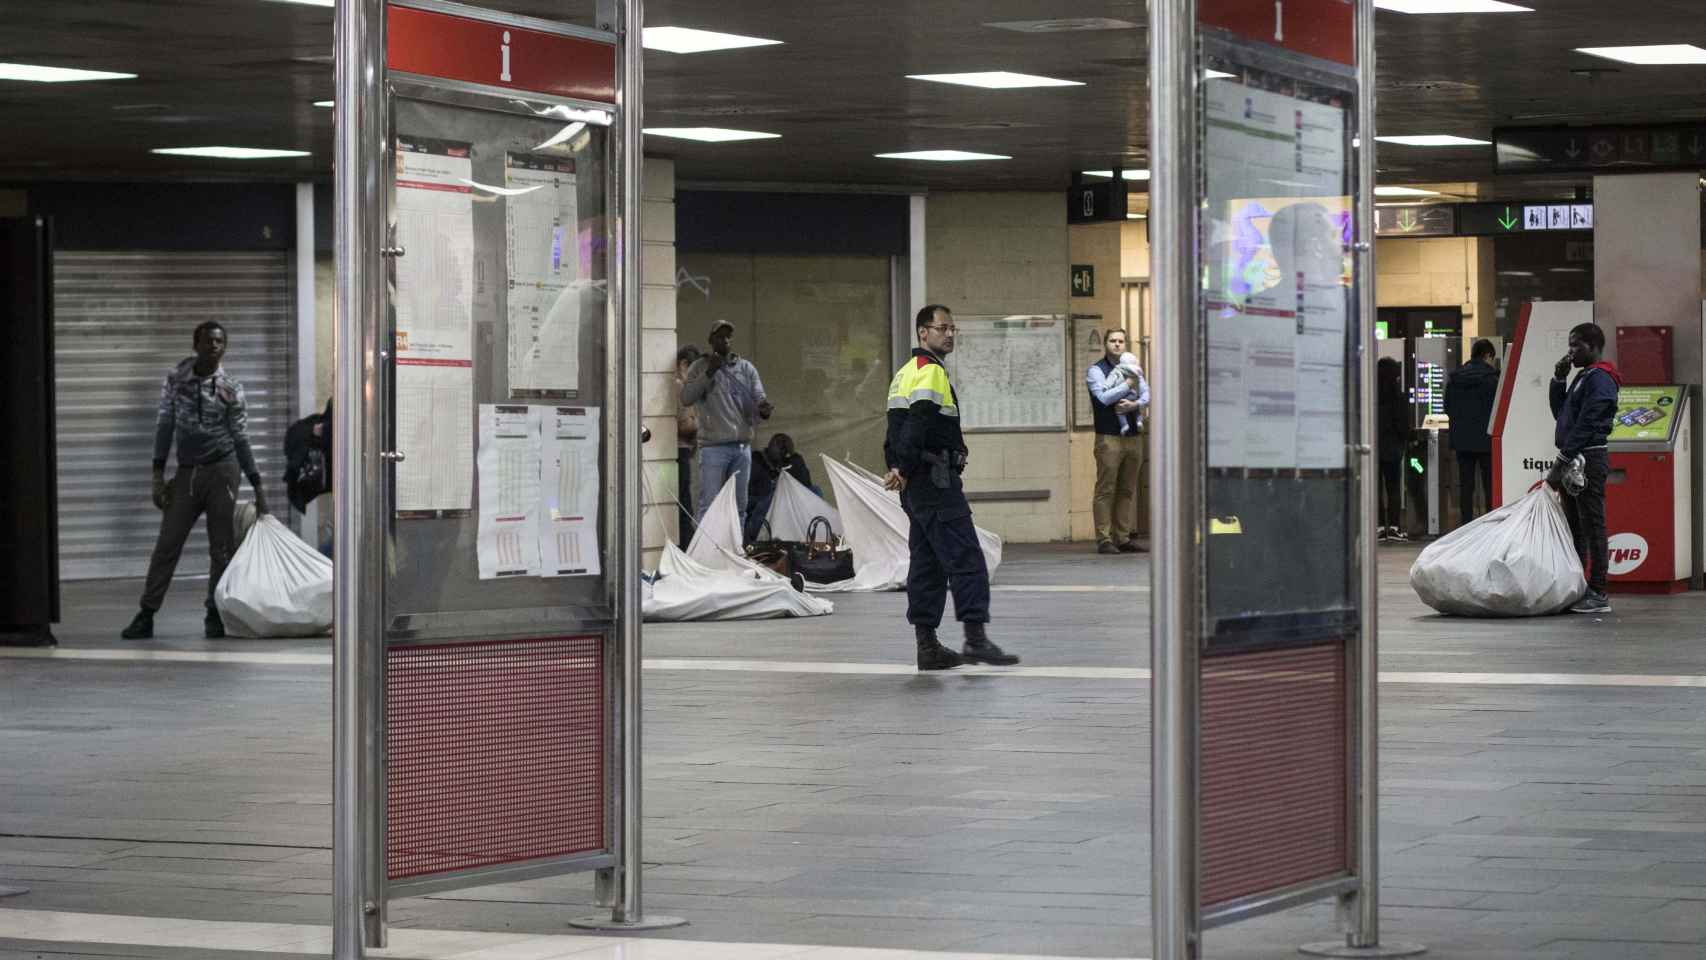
1628	552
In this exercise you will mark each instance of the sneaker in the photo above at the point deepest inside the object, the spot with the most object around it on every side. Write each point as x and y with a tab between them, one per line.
1399	536
1384	534
141	626
1592	603
213	628
1107	546
1132	546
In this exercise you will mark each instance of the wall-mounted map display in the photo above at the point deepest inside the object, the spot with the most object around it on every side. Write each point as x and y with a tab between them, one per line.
1010	372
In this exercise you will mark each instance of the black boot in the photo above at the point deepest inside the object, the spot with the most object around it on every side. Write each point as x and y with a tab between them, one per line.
141	626
979	649
931	654
214	626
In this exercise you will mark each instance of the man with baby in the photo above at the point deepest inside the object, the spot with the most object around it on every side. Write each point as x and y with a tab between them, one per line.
1119	398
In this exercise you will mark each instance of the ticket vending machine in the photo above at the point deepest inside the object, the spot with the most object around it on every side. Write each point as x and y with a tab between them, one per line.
1427	470
1649	493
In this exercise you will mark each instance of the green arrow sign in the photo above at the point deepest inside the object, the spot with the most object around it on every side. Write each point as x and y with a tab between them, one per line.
1407	221
1507	221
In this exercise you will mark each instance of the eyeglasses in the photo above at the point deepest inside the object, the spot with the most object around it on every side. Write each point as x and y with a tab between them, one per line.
946	329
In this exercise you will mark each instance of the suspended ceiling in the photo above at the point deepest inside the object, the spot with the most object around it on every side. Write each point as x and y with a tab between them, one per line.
246	73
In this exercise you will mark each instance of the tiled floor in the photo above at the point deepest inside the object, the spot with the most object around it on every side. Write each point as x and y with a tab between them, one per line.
1544	783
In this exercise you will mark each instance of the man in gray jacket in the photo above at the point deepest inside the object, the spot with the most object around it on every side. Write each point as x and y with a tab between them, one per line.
202	407
729	395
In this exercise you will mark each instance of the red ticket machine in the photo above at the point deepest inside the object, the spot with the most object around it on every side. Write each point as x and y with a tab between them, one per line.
1649	494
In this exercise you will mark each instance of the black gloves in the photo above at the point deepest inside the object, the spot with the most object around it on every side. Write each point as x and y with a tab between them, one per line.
162	493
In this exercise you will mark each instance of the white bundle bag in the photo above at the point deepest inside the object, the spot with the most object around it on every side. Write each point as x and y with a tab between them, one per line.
1518	561
276	585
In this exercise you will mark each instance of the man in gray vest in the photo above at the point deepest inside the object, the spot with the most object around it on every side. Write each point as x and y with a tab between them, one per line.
203	408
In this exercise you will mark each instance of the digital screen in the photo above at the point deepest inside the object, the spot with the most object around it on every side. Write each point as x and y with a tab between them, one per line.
1428	394
1645	413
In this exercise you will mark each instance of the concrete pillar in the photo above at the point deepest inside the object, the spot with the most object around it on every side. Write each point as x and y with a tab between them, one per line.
1646	242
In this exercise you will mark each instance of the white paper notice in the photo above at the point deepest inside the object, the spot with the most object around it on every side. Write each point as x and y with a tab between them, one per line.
509	491
570	486
543	254
435	314
1276	303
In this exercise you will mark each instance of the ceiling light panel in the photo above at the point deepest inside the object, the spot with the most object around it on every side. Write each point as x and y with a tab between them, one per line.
689	40
1124	174
1659	55
710	134
1450	6
994	80
36	74
942	156
1434	140
327	104
231	153
1063	25
1404	192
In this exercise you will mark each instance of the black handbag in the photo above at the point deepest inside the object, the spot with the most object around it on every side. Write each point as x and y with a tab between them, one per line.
821	561
778	555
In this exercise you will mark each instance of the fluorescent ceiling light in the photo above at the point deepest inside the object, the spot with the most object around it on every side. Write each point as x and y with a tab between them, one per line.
689	40
1124	174
1450	6
1404	192
1063	25
309	3
944	156
1664	54
328	104
1137	216
710	134
1217	75
995	80
1434	140
230	153
35	74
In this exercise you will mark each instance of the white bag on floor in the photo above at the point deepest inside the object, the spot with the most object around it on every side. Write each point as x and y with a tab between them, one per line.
1518	561
276	586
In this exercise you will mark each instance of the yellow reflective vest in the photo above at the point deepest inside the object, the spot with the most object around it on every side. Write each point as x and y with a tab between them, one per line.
924	414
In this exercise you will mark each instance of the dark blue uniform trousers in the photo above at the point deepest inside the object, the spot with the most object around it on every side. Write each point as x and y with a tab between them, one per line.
945	554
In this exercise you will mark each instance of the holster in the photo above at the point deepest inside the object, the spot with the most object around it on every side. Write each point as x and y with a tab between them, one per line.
944	466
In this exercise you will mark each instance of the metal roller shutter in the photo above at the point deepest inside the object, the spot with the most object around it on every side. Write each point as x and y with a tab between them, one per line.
121	321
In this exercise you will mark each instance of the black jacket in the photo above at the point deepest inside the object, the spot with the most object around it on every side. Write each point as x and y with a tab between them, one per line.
764	477
1470	395
1585	409
1392	419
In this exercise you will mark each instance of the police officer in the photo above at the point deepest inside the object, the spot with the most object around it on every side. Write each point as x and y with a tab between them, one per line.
926	453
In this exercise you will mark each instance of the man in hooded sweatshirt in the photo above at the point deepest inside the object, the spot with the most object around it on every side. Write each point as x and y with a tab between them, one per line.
1583	411
1469	399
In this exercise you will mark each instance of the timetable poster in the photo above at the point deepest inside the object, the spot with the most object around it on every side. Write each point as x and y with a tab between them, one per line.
509	491
434	325
1277	296
569	485
543	257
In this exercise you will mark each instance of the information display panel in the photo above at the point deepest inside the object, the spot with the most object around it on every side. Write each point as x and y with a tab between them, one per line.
1279	319
1646	414
499	329
1008	372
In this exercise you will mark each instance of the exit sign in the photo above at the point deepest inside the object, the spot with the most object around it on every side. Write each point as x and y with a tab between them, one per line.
1083	280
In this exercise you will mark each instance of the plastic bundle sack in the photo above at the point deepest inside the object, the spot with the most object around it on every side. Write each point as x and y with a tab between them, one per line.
276	585
1518	561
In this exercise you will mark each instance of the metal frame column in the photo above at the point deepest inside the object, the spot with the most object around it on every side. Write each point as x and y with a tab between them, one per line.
358	920
623	891
1175	497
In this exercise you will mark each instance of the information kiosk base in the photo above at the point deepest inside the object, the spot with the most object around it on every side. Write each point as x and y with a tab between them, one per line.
1649	494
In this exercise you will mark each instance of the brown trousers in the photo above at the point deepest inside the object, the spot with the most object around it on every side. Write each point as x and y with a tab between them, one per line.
1119	464
210	489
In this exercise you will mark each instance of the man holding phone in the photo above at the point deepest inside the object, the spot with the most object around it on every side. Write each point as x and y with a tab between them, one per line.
1583	411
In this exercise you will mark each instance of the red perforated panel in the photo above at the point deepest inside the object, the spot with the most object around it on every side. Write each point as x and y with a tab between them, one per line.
496	753
1273	771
